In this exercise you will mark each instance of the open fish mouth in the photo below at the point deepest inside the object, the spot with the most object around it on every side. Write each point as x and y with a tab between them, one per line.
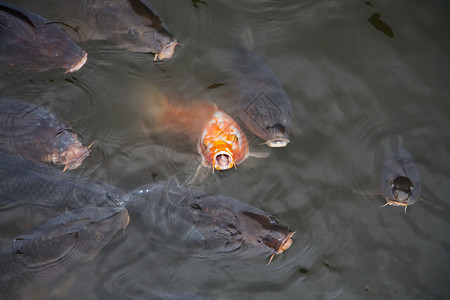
284	245
223	160
78	65
277	143
167	51
73	156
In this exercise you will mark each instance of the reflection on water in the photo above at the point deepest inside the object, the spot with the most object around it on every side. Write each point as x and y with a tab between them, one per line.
351	88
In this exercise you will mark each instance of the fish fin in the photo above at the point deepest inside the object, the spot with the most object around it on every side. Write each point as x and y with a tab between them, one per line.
260	154
25	237
199	176
18	14
247	38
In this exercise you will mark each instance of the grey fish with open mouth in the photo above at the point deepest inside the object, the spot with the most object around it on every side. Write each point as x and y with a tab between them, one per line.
264	106
399	179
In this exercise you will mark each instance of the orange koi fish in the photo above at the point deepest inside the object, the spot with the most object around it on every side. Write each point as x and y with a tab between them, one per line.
222	144
220	141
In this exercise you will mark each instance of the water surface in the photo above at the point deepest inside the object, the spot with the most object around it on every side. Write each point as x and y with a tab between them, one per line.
354	87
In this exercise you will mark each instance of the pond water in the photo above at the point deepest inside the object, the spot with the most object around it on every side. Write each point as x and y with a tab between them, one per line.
354	86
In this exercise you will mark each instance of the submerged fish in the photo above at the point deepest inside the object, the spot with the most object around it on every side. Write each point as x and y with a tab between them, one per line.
32	42
264	106
220	141
38	134
399	180
215	222
37	260
131	24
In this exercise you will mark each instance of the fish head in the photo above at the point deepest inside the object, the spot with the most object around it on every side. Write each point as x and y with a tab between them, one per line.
139	29
232	226
223	144
53	49
401	191
33	42
265	230
68	150
147	40
104	224
277	136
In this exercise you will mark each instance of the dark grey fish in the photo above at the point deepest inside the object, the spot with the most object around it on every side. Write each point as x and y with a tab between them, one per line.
37	134
131	24
399	180
33	42
219	223
264	106
222	224
37	260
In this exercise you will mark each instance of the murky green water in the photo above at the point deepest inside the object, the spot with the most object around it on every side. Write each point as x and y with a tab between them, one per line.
353	88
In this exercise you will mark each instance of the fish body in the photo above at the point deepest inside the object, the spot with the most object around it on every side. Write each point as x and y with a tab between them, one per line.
32	42
40	257
399	180
131	24
220	141
264	106
39	135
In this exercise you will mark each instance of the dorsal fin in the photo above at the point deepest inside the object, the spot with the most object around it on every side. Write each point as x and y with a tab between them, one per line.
18	14
145	11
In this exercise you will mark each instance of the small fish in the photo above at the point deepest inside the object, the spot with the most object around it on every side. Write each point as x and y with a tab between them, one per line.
39	135
400	181
33	42
219	139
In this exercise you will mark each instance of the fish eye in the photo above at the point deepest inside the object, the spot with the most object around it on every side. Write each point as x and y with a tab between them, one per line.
259	239
99	237
196	206
132	33
41	58
273	220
